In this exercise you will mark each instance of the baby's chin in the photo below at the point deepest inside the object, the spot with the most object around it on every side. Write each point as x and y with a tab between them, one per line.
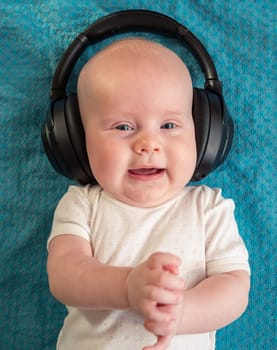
145	199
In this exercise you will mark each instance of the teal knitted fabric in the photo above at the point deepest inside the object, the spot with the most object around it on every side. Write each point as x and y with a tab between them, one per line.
33	35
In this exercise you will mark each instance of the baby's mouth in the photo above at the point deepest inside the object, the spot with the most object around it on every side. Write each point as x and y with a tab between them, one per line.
146	171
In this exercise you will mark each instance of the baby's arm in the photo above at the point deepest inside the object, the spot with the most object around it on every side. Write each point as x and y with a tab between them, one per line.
212	304
215	302
77	279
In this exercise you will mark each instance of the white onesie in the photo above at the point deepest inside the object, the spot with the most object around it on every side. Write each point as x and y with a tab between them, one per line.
198	226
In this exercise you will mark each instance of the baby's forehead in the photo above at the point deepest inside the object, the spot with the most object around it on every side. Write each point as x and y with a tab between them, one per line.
134	51
133	63
150	69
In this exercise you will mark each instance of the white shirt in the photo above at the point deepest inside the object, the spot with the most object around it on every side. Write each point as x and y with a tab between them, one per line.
198	226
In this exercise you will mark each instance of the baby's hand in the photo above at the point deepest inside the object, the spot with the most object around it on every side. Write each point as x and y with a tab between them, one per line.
150	288
161	344
165	330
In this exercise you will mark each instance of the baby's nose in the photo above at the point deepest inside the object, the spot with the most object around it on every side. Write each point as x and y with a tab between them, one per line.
147	144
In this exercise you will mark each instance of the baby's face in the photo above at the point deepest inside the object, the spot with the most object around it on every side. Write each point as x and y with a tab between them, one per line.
140	132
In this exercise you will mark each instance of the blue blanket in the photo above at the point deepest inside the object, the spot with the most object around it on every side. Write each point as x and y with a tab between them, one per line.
33	35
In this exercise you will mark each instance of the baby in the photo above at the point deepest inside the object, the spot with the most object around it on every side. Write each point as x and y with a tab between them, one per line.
143	261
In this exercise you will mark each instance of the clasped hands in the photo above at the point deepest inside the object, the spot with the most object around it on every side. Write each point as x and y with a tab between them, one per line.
156	291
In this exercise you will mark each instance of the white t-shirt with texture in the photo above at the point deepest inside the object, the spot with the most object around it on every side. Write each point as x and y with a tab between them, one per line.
198	226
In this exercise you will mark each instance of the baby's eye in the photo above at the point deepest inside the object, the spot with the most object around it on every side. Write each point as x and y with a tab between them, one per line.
124	127
168	125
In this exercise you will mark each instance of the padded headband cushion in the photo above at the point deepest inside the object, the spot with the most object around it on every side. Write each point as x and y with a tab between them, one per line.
132	21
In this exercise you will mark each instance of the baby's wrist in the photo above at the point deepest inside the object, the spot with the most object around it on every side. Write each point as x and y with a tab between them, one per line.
127	288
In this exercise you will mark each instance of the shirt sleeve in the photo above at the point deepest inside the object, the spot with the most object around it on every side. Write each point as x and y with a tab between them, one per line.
72	215
225	249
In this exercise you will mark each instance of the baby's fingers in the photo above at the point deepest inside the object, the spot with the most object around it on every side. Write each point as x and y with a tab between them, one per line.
164	328
161	344
158	260
163	279
163	296
157	314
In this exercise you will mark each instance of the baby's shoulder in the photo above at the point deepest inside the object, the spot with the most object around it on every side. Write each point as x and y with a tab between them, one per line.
203	191
86	191
204	196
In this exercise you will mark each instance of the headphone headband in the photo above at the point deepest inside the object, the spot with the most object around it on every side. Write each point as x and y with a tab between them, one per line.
126	21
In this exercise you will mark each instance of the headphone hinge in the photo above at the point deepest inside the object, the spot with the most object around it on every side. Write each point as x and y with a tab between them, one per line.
214	85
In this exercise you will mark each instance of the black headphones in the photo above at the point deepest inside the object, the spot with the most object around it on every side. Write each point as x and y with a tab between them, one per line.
63	135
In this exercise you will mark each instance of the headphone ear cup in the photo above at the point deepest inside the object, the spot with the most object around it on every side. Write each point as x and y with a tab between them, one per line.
213	131
64	141
80	167
49	140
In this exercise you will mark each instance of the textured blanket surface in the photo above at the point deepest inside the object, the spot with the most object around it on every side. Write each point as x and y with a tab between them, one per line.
240	36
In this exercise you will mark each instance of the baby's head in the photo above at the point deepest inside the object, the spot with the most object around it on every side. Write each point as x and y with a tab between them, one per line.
135	100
